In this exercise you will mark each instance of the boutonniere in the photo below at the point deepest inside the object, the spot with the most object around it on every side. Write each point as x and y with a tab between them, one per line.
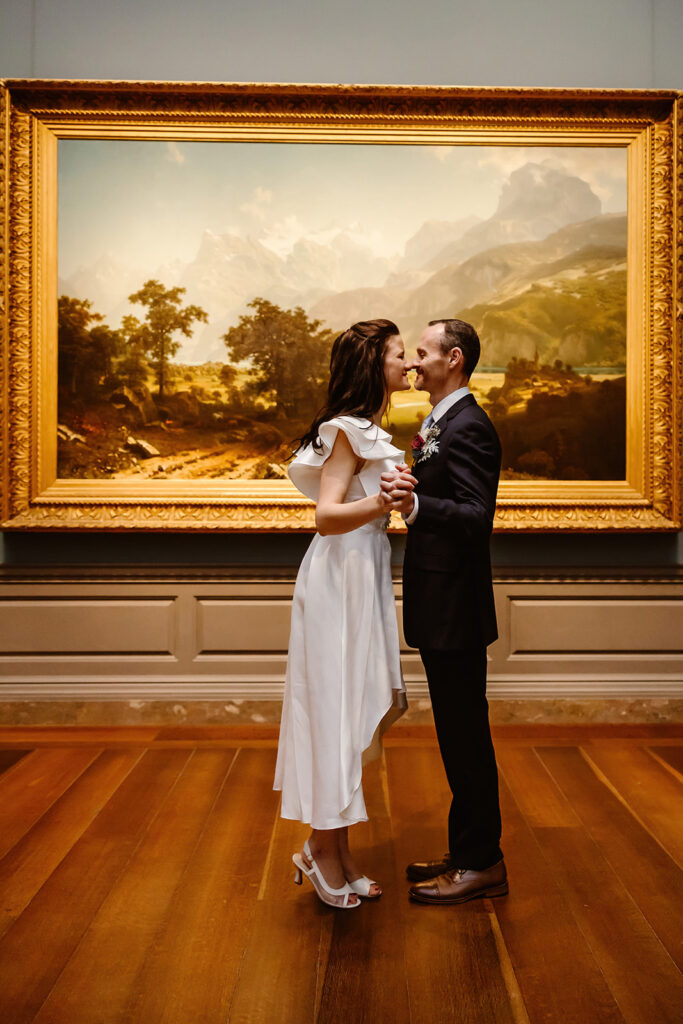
426	444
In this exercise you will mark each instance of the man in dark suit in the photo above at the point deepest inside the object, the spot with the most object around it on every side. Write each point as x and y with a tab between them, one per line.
448	607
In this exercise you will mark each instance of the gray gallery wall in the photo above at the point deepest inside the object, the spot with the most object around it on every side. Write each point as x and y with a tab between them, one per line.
621	43
589	43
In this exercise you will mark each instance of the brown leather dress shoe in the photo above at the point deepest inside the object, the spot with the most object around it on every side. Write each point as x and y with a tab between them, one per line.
420	870
461	884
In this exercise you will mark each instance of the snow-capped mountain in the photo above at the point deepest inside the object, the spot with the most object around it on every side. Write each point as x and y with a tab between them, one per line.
536	200
339	279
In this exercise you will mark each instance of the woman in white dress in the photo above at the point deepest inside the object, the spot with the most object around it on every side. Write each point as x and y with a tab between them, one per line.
344	684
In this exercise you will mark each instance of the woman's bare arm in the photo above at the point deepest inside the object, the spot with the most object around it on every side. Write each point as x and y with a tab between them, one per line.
332	514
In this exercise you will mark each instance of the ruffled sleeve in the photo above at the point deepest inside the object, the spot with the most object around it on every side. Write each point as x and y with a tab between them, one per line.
368	441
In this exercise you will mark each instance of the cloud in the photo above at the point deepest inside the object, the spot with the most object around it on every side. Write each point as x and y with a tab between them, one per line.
440	153
260	199
174	154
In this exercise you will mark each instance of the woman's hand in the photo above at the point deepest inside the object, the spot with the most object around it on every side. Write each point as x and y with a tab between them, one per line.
396	487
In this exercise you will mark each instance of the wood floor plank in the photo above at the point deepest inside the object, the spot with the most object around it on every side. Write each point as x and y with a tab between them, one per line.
192	970
459	976
649	789
17	736
536	793
652	878
420	805
219	733
173	902
532	733
673	755
35	949
286	950
277	882
32	860
371	939
32	786
75	735
557	974
87	990
11	757
288	943
368	942
603	909
451	963
640	973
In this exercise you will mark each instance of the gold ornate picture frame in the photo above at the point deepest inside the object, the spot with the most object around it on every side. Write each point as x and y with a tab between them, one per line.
35	115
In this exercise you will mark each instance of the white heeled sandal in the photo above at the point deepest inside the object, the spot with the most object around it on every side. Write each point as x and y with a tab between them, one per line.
317	880
361	886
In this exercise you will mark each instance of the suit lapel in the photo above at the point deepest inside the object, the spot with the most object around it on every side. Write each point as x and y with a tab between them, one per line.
442	422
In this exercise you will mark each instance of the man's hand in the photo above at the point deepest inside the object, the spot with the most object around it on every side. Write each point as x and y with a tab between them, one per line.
396	488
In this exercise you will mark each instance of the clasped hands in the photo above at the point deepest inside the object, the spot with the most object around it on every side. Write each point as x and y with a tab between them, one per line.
396	490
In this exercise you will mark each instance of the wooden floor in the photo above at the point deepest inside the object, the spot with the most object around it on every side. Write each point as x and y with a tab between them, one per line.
145	876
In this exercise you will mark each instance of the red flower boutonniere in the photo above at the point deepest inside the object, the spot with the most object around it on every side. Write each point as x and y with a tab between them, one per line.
426	444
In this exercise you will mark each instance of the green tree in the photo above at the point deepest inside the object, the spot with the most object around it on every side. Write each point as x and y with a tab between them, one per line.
87	347
132	369
227	375
289	353
164	318
105	347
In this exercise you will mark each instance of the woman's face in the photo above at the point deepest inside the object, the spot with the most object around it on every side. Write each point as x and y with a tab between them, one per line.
395	373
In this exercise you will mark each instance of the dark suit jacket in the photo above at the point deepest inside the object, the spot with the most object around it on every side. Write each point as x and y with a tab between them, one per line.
447	588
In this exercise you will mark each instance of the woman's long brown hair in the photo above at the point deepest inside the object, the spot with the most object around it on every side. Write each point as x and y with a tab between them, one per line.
357	386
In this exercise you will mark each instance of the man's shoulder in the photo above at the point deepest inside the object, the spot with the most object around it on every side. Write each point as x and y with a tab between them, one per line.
470	413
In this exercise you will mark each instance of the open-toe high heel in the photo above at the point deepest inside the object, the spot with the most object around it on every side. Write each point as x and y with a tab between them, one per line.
317	880
361	886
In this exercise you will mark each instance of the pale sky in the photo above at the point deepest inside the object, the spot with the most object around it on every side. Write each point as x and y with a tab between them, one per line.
147	203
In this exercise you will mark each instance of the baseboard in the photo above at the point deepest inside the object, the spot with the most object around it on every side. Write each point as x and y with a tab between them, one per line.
201	688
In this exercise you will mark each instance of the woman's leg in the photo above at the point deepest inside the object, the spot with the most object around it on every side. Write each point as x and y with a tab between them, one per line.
324	846
351	872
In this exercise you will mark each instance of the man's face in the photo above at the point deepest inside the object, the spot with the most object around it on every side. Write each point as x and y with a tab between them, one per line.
431	364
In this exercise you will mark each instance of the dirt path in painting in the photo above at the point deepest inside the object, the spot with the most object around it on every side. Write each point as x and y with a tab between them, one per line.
226	461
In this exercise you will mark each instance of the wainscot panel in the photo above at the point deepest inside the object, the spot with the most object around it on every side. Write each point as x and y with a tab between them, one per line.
626	626
74	626
227	625
179	634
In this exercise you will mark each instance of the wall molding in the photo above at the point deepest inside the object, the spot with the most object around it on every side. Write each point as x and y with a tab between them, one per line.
183	690
211	573
178	634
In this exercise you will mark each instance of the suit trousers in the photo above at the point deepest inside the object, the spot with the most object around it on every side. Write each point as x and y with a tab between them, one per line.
457	687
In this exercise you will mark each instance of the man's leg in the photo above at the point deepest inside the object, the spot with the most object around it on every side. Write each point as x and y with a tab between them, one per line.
457	686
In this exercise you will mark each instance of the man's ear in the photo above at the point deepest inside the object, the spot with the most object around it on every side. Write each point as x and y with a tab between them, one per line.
456	357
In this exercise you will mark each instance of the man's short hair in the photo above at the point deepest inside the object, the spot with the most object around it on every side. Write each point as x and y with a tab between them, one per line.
458	334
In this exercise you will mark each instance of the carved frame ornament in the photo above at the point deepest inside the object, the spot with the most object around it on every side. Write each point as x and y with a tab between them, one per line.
35	114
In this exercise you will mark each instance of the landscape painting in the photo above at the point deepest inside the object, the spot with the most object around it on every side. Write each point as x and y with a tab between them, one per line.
201	286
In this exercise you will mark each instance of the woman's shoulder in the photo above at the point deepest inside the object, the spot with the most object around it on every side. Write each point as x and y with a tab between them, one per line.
348	422
363	435
369	442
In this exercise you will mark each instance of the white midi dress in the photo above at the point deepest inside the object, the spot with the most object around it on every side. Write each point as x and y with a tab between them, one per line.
344	685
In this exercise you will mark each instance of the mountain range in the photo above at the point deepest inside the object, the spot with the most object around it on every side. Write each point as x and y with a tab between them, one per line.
491	276
547	227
